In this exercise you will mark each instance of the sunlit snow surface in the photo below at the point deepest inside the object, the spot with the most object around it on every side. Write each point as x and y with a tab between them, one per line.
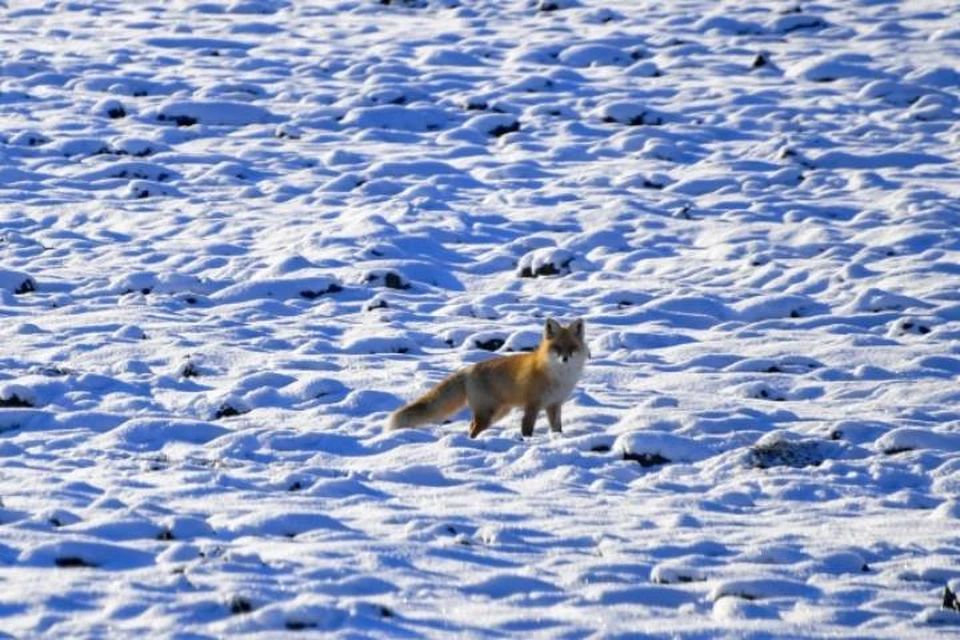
235	235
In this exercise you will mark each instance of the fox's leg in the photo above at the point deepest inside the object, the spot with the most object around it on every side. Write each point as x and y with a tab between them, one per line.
481	422
483	418
529	419
553	415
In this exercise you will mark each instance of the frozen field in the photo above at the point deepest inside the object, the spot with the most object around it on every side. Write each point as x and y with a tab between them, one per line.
235	235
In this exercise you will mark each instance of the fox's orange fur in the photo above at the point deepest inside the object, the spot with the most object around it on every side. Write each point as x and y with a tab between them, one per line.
535	381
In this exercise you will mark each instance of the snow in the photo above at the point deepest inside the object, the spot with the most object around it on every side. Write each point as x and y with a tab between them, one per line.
236	235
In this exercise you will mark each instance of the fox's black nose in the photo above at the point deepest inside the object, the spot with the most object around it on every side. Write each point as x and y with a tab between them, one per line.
564	358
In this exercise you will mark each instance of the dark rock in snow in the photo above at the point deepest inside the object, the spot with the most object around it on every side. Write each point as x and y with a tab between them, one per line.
227	411
298	625
179	120
643	118
412	4
377	303
493	124
15	401
631	113
544	270
548	6
388	279
490	345
549	261
504	129
892	451
240	605
27	286
73	562
646	459
909	326
785	453
311	294
189	370
950	600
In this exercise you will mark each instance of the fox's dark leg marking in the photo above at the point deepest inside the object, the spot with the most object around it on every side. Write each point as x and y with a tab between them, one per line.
553	415
529	419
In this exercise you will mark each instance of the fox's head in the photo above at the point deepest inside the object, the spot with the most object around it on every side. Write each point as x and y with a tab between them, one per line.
565	346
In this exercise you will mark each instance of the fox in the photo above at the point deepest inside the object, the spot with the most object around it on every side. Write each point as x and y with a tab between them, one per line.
535	381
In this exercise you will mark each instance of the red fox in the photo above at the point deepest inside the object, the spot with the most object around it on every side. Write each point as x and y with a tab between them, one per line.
539	380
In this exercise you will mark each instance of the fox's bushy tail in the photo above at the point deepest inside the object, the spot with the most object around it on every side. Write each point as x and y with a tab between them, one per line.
436	404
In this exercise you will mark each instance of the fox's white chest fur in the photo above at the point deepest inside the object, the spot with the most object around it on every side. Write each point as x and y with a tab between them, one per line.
563	378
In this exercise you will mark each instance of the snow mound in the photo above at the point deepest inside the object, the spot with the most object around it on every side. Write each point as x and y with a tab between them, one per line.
910	439
654	448
548	261
631	114
17	282
413	118
153	434
306	287
185	113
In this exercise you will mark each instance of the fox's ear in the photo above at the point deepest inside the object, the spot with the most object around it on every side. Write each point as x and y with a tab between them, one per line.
577	328
552	328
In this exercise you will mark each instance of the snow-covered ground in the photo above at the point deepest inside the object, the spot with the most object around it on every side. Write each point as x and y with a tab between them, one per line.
236	234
